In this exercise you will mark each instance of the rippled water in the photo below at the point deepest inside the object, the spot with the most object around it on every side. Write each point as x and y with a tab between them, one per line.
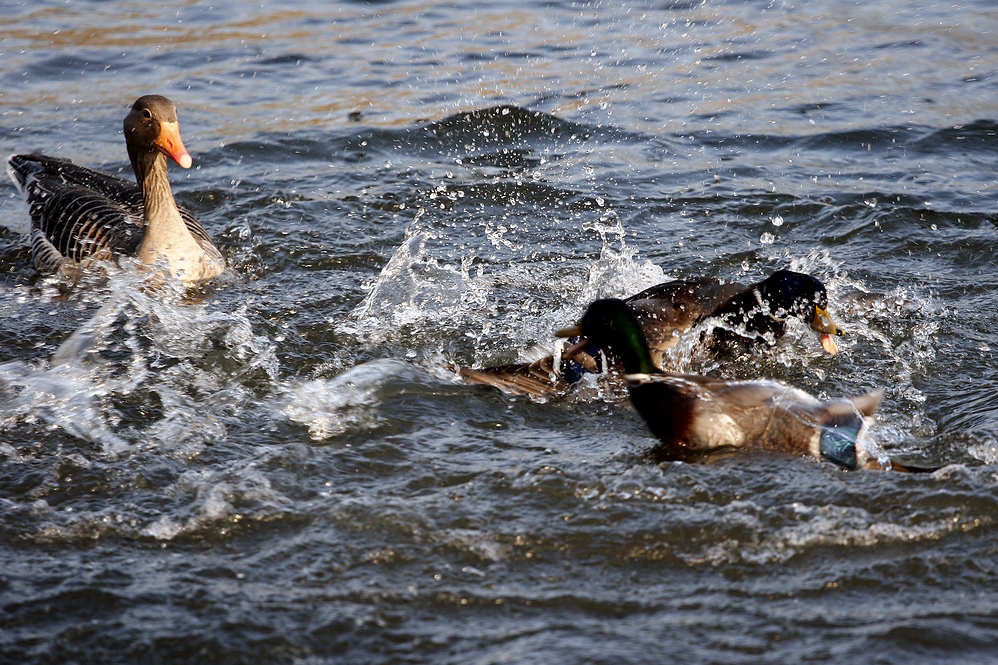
288	471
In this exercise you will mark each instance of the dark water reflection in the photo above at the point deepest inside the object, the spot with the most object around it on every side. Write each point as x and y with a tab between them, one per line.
287	471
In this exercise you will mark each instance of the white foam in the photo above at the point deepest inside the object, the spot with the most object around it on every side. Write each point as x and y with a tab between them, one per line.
330	407
140	346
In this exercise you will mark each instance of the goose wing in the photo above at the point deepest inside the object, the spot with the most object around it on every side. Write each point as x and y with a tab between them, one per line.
79	213
76	213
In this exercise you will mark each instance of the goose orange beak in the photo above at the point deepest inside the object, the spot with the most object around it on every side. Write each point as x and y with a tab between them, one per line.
828	344
171	145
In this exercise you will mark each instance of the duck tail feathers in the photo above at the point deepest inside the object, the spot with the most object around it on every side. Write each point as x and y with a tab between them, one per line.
869	403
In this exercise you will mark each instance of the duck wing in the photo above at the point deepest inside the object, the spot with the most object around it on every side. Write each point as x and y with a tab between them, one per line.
701	293
669	310
536	378
701	414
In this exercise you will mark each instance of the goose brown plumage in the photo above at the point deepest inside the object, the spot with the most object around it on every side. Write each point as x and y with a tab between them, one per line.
79	215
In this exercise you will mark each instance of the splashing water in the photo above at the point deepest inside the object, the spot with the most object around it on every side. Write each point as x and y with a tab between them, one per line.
143	371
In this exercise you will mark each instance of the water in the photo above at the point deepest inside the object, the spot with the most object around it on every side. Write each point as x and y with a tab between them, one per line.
286	471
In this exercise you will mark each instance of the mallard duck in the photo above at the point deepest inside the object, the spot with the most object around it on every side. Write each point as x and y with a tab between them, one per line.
697	418
742	315
79	215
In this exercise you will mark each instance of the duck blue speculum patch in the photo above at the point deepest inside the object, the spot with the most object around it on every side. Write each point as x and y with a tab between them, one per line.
838	444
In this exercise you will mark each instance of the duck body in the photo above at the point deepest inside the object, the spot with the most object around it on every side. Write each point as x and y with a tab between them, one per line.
696	418
79	215
670	310
727	313
743	314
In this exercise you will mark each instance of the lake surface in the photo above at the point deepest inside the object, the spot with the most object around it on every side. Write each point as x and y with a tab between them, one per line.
287	469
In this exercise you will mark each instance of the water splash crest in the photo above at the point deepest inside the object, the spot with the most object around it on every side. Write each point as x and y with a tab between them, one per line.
144	370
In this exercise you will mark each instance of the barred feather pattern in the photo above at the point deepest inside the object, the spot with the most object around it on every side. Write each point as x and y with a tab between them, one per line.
78	214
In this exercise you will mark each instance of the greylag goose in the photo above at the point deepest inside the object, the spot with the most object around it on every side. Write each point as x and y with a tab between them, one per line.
79	215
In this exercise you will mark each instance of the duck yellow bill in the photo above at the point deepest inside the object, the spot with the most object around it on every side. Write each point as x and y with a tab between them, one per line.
571	331
171	145
577	351
574	350
823	324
